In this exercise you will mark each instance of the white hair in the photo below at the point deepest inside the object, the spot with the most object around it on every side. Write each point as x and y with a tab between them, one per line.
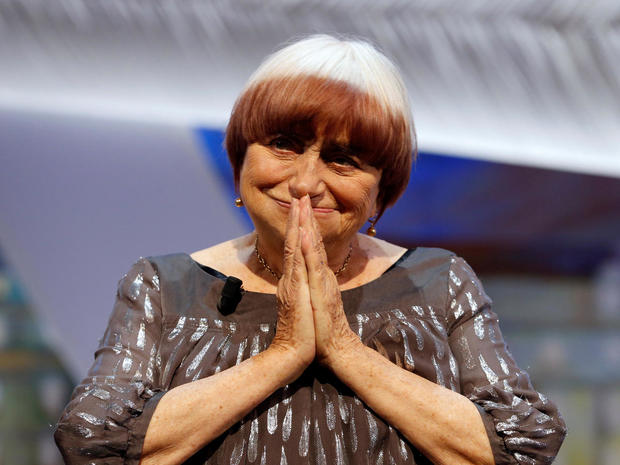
356	62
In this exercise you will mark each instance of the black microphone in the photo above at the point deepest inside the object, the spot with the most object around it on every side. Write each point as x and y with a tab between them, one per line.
231	295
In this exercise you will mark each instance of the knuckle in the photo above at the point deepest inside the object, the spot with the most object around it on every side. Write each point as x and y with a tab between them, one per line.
296	262
283	294
289	250
318	246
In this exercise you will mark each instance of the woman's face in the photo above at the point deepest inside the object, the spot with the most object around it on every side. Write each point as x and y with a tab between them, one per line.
343	189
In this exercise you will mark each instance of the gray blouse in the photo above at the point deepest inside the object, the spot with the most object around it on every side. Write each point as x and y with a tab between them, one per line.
428	314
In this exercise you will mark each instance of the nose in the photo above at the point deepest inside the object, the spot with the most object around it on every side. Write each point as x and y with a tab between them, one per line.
306	176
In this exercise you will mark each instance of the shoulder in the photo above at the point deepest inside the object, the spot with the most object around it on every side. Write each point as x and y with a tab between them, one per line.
419	261
169	264
427	269
427	258
380	254
378	248
444	267
227	257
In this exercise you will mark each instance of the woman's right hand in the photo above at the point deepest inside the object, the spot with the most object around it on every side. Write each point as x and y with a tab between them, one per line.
295	326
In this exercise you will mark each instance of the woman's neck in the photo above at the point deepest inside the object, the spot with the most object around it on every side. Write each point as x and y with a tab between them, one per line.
340	256
370	257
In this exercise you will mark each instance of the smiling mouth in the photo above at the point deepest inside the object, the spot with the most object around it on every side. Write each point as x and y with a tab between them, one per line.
314	209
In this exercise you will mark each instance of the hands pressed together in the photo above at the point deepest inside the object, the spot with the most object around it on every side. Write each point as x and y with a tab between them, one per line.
311	318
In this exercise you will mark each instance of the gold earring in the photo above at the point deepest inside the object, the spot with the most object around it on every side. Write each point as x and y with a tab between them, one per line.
371	231
238	202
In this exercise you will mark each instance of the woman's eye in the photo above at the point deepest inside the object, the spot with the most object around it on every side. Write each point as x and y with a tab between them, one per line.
345	161
283	143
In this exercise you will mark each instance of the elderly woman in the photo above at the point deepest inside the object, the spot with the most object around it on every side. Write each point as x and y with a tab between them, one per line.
343	348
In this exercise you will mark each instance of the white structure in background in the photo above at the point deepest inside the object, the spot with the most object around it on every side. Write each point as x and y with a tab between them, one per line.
535	82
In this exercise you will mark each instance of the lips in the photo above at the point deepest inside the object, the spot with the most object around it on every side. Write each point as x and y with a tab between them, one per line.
314	209
322	210
283	204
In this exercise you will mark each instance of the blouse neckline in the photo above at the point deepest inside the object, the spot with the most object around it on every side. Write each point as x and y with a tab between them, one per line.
216	274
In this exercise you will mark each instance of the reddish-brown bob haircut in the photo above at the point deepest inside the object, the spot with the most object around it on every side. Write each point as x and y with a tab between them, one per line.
310	107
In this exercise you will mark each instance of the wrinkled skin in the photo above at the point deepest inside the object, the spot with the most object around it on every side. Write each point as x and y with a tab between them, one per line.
311	318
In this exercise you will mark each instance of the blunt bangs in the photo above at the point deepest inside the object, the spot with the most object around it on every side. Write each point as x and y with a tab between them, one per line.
310	107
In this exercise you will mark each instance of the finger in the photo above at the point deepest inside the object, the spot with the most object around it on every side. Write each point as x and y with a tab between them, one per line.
312	244
292	238
294	280
316	231
304	222
318	239
298	267
321	280
299	264
300	271
316	264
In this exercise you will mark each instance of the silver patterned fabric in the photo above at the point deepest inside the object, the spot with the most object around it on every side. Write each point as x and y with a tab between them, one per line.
428	315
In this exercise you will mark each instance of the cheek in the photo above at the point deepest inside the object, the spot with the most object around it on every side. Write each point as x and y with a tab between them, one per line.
361	196
256	173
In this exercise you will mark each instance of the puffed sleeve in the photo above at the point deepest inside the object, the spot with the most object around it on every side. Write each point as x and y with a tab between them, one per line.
109	412
524	427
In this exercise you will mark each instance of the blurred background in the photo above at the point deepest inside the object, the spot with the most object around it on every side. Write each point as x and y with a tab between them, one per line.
111	124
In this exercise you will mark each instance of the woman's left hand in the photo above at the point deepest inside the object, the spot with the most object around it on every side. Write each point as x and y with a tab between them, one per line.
332	331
